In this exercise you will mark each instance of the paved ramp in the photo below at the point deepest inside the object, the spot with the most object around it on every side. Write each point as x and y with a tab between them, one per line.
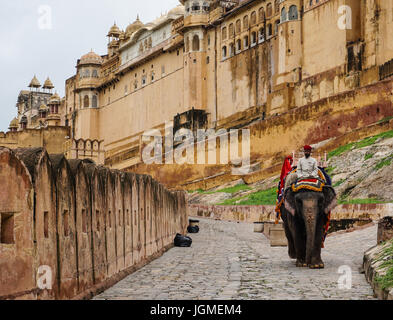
228	261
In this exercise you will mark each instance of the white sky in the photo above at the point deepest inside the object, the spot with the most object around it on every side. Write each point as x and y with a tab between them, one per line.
77	27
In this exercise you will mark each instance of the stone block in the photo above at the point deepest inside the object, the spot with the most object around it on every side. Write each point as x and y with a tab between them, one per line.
266	228
277	236
258	227
385	229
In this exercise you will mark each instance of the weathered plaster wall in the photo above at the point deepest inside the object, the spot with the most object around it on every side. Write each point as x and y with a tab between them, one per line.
345	117
89	224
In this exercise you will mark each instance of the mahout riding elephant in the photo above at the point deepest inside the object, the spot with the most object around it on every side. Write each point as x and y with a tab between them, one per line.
305	214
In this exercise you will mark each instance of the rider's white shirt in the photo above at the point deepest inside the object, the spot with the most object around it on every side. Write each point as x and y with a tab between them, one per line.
307	168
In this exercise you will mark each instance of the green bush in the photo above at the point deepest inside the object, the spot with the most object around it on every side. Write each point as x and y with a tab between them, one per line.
330	170
385	162
368	156
361	144
339	183
386	281
265	197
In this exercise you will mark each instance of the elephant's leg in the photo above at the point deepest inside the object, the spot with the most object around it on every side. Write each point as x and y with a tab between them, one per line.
300	243
288	227
316	260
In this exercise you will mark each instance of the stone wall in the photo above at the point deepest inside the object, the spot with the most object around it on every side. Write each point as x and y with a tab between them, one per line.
90	225
252	214
337	120
50	138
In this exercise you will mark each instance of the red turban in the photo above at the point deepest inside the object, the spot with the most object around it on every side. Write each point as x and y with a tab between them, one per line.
307	148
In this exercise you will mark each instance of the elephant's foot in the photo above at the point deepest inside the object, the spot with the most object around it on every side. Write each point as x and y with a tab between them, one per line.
317	265
301	264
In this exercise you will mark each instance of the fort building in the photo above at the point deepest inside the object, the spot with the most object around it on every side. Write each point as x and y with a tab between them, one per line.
284	68
40	120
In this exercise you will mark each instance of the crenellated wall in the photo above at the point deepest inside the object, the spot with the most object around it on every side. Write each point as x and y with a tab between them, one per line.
90	225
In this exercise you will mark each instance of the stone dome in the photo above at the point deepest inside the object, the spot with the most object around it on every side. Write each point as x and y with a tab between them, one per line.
43	108
159	20
179	10
114	31
91	58
133	27
34	83
54	99
14	123
48	84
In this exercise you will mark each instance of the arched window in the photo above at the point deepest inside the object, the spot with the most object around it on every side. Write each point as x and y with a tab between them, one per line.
238	26
195	43
261	34
94	102
293	13
245	42
245	22
231	50
86	102
224	33
195	6
269	10
23	122
238	45
253	38
276	24
253	18
87	73
261	14
269	30
206	7
231	31
95	73
224	52
283	15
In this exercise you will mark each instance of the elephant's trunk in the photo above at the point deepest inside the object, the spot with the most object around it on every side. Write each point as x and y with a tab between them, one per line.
310	209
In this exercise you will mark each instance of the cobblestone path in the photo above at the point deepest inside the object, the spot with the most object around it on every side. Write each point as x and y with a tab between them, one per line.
228	261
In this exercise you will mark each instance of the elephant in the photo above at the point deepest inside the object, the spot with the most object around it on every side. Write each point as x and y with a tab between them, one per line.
305	214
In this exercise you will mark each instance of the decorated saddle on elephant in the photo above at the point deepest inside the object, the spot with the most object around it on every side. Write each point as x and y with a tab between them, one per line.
313	184
301	184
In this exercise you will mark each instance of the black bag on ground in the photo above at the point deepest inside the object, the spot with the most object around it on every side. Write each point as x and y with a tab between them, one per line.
193	229
182	241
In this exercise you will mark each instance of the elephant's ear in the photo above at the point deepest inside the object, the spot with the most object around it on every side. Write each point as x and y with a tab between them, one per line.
330	199
289	201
